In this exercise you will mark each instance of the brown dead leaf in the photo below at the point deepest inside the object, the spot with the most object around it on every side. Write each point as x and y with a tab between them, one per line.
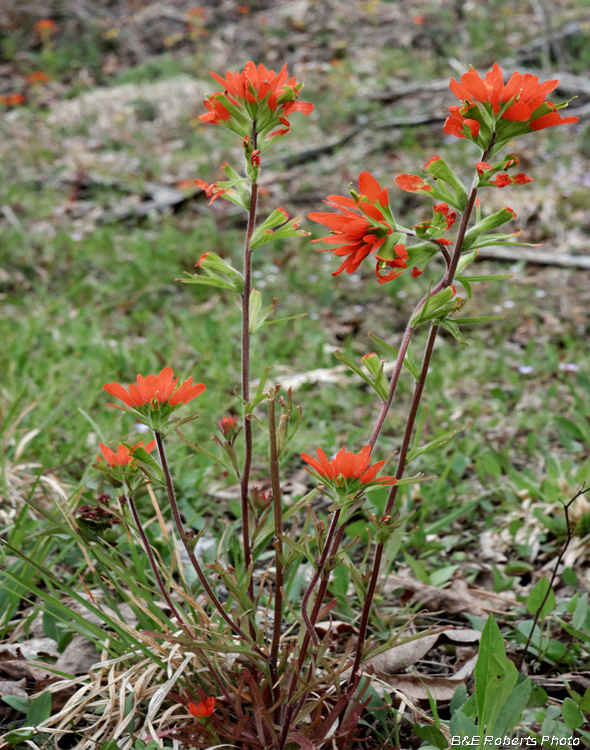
399	657
79	655
11	687
490	545
453	600
441	688
31	648
402	656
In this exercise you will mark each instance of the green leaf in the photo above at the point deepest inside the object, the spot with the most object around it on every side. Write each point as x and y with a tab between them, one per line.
458	699
393	351
204	451
571	714
584	704
438	442
454	330
503	677
537	698
570	577
462	725
142	455
18	702
413	480
418	568
207	281
580	612
490	645
40	709
376	386
282	320
450	517
537	596
511	712
19	735
431	734
488	277
467	286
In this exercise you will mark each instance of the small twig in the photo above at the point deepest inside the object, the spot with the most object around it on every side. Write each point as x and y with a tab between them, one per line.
570	534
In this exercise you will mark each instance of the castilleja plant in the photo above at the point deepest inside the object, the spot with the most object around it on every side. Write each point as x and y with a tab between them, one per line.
287	689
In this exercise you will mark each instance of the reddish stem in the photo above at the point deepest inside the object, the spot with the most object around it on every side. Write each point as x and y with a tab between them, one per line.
187	540
445	282
278	543
246	375
318	572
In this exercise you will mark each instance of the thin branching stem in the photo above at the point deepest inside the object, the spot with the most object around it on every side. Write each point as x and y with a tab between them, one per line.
570	534
292	709
167	598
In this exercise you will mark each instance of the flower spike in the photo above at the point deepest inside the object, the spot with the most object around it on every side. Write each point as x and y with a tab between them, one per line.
346	473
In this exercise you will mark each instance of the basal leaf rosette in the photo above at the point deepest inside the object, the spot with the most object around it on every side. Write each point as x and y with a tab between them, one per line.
154	398
256	95
347	475
509	109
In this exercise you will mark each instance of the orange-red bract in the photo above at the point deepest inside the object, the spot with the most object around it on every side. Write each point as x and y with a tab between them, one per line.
346	465
360	227
156	389
123	457
256	85
522	92
203	708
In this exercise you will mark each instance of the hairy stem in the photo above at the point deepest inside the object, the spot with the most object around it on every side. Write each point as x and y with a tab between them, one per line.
278	544
187	540
316	576
154	567
292	710
246	375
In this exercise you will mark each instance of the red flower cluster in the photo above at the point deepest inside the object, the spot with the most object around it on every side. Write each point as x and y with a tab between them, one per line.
522	100
38	77
212	190
346	469
123	455
155	390
255	94
12	100
45	28
203	708
361	226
